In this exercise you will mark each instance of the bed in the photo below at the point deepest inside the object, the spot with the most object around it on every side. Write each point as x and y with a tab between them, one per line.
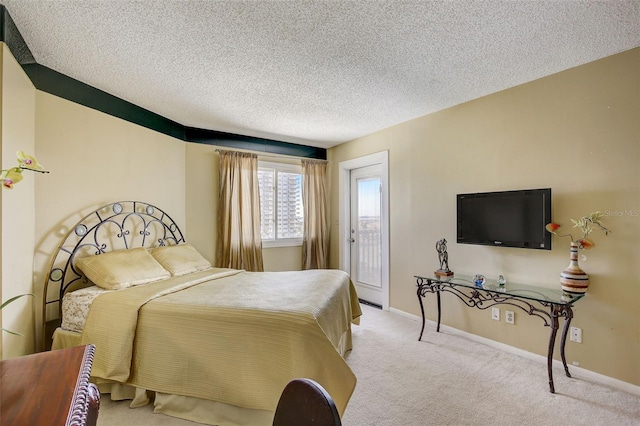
211	345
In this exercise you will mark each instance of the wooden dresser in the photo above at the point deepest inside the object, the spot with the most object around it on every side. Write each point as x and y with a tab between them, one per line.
49	388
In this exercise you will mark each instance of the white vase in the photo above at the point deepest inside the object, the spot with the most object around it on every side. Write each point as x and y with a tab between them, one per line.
573	279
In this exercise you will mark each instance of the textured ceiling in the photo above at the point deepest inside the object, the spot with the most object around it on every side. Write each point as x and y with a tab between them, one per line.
316	72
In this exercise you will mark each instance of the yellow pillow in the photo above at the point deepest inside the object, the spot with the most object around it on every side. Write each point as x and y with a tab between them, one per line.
122	268
180	259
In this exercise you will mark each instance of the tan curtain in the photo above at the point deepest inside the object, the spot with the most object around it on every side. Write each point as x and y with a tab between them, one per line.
239	240
315	241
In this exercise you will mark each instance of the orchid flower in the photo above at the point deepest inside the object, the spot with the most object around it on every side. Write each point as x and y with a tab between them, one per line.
10	177
29	162
586	224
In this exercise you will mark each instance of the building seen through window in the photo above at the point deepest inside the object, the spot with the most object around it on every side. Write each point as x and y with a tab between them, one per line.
282	215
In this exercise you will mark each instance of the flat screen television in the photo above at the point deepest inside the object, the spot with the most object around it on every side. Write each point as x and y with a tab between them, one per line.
505	218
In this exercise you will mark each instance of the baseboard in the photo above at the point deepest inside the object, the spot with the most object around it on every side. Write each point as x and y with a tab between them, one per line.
373	305
576	372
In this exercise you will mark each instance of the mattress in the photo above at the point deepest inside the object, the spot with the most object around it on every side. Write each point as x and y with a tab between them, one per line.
75	307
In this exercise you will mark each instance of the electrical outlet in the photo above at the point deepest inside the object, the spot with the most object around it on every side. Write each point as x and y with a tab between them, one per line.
576	334
510	317
495	314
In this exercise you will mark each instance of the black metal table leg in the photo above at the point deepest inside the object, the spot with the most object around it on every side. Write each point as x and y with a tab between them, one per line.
552	340
568	315
421	307
439	311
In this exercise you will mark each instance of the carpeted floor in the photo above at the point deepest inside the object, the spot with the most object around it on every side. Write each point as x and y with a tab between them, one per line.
444	380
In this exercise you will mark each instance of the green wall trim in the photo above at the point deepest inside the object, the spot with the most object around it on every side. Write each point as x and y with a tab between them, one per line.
10	35
58	84
213	137
63	86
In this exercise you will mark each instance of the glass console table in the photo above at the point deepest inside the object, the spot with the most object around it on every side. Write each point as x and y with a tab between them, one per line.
545	303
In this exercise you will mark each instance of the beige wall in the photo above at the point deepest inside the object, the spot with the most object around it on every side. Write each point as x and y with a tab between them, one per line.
282	258
202	183
577	132
96	159
18	118
3	47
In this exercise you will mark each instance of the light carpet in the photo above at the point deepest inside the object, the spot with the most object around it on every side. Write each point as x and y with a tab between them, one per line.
444	379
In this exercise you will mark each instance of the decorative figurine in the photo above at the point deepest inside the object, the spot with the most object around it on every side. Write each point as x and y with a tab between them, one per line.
479	280
443	257
501	281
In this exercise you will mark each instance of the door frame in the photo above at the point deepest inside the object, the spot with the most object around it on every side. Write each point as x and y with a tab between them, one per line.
344	247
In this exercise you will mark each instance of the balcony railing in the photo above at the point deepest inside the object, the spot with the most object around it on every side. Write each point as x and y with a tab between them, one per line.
369	240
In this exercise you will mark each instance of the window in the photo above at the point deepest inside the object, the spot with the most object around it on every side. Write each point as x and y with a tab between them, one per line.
281	212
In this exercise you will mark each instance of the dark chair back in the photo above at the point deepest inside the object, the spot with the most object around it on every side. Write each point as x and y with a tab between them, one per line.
305	402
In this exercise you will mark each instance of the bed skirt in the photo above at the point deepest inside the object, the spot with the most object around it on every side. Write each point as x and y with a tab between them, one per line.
189	408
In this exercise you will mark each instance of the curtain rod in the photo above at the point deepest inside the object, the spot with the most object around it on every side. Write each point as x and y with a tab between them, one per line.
283	156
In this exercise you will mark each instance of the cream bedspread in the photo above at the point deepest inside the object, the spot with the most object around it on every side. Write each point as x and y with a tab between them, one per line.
230	336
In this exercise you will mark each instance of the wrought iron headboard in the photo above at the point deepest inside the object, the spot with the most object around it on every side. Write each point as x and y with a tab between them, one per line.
115	226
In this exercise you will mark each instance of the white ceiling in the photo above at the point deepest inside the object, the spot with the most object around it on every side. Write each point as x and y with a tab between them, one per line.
317	73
